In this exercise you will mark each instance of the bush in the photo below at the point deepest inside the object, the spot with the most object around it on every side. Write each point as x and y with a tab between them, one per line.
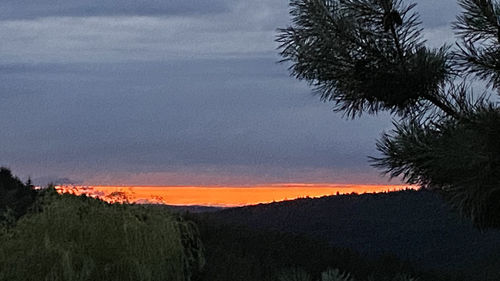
79	238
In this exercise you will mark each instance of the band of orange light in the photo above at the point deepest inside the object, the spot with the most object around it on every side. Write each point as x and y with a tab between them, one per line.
220	196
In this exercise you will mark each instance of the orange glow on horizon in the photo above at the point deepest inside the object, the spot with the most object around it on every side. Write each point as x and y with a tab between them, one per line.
219	196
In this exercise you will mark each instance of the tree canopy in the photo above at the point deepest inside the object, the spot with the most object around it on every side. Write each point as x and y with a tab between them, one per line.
368	56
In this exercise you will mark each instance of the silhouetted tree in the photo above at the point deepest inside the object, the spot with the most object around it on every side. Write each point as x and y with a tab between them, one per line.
369	56
15	196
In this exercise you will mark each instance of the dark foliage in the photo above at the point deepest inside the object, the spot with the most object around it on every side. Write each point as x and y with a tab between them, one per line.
15	196
364	55
235	252
479	49
69	237
459	156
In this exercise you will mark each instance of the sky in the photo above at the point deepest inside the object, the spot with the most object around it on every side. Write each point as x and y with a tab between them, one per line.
177	92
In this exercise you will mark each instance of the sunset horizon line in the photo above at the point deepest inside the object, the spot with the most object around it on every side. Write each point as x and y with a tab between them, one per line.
220	196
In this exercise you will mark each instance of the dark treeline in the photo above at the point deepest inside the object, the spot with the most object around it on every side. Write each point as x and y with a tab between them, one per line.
15	196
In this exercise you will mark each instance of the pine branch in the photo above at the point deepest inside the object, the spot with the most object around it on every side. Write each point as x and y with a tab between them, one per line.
363	55
478	51
478	22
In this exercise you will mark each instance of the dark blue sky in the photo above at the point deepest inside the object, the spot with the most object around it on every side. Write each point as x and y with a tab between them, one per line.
172	92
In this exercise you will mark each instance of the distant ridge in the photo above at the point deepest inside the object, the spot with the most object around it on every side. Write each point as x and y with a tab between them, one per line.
193	208
413	225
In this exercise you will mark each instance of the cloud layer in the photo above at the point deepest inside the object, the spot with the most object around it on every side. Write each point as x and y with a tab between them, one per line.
171	92
27	9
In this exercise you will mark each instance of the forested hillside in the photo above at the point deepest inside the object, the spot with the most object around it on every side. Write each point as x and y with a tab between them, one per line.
239	253
416	226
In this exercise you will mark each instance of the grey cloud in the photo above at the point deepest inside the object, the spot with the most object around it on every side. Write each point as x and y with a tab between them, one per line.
433	13
28	9
437	13
162	116
46	180
118	39
246	29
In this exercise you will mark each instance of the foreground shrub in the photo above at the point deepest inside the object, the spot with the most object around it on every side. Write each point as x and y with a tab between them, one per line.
297	274
335	275
78	238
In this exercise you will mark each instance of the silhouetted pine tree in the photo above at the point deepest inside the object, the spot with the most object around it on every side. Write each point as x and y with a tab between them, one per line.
369	56
15	196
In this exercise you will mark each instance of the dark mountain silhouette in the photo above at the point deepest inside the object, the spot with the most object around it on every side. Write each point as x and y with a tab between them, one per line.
191	208
417	226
